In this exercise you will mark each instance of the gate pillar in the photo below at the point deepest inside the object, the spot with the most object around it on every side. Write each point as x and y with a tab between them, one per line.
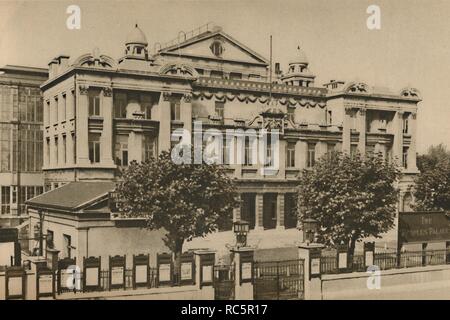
311	253
243	263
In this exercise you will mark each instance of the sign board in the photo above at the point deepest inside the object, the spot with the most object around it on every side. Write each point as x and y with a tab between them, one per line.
117	266
186	271
164	265
164	272
207	272
246	271
15	283
140	270
91	272
420	227
207	261
45	283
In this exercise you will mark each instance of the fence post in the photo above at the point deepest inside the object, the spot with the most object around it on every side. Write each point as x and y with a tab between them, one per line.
204	269
310	253
243	263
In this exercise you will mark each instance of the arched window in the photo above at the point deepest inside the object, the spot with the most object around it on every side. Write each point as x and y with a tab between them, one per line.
407	202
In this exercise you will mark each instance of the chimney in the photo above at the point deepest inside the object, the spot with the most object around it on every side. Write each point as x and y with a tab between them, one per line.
52	68
63	61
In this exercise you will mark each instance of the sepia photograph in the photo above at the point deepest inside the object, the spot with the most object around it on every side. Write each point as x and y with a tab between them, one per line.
243	151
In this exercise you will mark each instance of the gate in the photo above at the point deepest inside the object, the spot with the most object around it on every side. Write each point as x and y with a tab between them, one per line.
224	282
279	280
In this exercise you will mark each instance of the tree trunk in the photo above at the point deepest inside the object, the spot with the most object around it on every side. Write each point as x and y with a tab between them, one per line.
177	265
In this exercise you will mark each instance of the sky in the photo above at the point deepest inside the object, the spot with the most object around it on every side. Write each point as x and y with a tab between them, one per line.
412	47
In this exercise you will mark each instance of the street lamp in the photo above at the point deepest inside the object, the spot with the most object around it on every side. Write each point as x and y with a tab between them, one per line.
241	229
309	227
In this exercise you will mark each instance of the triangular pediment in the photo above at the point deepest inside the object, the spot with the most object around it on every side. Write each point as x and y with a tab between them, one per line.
202	47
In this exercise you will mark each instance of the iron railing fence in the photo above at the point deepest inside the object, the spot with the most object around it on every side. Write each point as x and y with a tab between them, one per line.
385	260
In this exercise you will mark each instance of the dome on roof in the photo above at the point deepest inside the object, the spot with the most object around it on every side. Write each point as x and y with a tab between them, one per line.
300	57
136	36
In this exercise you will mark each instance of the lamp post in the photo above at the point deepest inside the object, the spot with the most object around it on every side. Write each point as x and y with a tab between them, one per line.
241	229
309	227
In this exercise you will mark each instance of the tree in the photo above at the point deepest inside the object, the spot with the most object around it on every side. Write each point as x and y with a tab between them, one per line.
352	197
185	200
435	155
432	190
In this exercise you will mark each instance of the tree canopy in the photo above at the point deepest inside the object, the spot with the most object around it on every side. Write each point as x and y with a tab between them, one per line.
186	200
432	190
352	197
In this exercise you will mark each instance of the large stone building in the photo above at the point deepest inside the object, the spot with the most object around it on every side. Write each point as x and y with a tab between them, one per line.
21	140
101	113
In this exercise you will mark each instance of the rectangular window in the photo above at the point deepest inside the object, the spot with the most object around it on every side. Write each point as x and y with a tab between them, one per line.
311	160
50	239
149	148
5	147
121	150
30	192
120	105
219	109
353	150
5	199
248	152
235	75
63	151
370	150
56	154
56	110
94	103
14	194
94	148
216	74
63	108
47	113
175	109
329	117
269	152
67	246
331	147
74	143
405	157
226	147
146	105
405	125
290	155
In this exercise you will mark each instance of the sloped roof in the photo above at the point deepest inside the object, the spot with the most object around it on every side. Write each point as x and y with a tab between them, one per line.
73	196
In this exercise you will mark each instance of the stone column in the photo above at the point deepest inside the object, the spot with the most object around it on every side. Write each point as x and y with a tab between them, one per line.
280	211
346	132
106	138
412	165
237	211
282	158
186	112
164	122
301	153
397	147
82	114
259	201
243	289
312	281
362	131
321	149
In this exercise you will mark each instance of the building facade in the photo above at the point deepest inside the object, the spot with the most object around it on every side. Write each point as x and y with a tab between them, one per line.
101	113
21	140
